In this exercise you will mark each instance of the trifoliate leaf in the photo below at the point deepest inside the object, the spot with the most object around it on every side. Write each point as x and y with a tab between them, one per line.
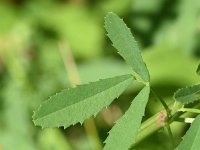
188	94
123	134
77	104
124	42
198	70
192	137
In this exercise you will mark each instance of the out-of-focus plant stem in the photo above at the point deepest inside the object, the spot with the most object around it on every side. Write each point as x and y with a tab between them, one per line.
168	111
12	63
74	79
10	56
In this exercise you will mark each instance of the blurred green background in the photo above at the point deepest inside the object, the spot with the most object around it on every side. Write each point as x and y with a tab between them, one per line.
37	37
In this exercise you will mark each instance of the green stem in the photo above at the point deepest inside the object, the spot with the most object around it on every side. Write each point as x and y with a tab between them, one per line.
170	135
185	120
162	101
150	126
192	110
155	122
168	111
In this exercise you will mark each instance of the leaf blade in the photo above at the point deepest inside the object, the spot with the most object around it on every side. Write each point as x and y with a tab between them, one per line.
188	94
82	102
192	137
124	42
123	134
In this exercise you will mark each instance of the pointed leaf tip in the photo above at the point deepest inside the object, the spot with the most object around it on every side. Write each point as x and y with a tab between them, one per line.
77	104
124	42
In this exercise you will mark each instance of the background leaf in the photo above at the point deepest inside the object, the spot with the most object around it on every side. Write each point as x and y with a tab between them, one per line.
77	104
123	134
126	45
192	137
72	26
168	33
14	124
102	69
188	94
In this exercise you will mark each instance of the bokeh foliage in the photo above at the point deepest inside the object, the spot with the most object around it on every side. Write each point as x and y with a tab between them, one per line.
32	66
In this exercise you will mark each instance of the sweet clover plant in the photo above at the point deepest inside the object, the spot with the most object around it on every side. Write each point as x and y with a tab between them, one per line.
74	105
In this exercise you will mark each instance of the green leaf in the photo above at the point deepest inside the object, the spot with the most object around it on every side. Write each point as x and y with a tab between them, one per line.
77	104
123	134
192	137
73	22
198	70
124	42
164	57
188	94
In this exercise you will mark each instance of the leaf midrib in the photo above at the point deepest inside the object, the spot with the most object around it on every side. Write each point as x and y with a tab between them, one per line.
124	37
80	101
127	44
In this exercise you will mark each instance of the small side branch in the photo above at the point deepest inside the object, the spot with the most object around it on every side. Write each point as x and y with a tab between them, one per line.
168	110
192	110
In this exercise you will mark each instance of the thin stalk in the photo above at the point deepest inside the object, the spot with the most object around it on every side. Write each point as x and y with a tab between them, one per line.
162	101
185	120
74	78
192	110
170	135
155	123
150	126
14	67
168	111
